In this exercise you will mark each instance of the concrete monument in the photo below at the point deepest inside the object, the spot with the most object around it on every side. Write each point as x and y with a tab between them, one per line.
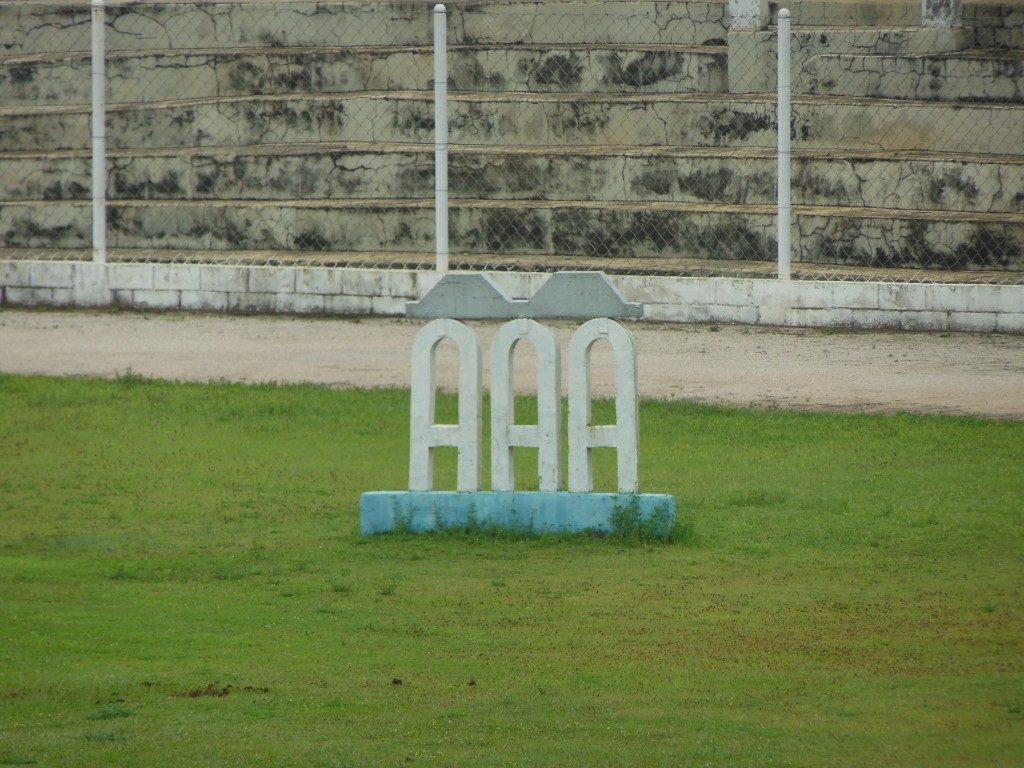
582	295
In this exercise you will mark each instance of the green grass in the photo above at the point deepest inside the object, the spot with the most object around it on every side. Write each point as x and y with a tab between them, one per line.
181	583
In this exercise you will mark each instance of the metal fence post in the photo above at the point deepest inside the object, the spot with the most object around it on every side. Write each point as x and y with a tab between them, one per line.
99	133
441	138
783	126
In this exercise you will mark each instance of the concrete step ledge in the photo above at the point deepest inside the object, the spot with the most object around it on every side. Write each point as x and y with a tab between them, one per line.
917	181
28	29
827	123
850	14
881	13
175	75
390	261
951	77
752	53
520	204
532	229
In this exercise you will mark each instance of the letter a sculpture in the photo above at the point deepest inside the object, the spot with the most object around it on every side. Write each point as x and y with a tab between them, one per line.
588	296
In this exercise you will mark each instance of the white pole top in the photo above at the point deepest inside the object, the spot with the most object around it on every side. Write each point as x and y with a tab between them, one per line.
784	13
439	8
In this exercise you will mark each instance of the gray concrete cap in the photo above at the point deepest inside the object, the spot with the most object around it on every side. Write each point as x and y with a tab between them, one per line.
580	295
465	296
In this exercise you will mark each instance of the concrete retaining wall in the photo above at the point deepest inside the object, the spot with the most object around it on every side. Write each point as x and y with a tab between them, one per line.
348	291
601	129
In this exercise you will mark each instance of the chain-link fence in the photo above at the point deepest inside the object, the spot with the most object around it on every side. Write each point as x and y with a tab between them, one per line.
629	136
604	136
271	132
44	161
246	131
908	156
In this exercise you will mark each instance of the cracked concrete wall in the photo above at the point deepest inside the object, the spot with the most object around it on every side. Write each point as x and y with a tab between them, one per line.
652	121
911	182
976	77
175	76
829	13
996	26
615	120
748	14
752	53
171	26
651	75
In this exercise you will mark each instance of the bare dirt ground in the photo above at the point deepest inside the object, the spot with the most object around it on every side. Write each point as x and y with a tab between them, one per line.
739	365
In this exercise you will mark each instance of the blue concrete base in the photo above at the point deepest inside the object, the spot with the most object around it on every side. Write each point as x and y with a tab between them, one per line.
525	511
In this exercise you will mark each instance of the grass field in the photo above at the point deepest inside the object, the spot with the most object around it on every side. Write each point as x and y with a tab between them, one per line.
181	583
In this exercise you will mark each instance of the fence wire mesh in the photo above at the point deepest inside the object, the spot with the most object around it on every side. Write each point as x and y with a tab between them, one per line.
271	133
44	169
604	136
284	132
908	155
634	137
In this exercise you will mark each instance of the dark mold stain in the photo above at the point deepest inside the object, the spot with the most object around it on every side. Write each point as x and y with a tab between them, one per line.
575	116
468	75
271	40
26	233
313	240
167	186
417	180
21	73
713	186
509	231
946	184
403	234
732	125
558	70
820	188
987	248
652	67
658	181
523	177
613	233
992	249
414	120
235	237
207	181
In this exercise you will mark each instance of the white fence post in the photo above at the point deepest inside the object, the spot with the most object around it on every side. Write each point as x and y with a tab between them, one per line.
784	120
441	138
99	133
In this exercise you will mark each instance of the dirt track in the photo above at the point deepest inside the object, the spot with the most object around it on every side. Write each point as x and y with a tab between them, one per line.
933	373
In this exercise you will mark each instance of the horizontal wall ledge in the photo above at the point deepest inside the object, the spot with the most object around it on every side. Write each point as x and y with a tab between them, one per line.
385	292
